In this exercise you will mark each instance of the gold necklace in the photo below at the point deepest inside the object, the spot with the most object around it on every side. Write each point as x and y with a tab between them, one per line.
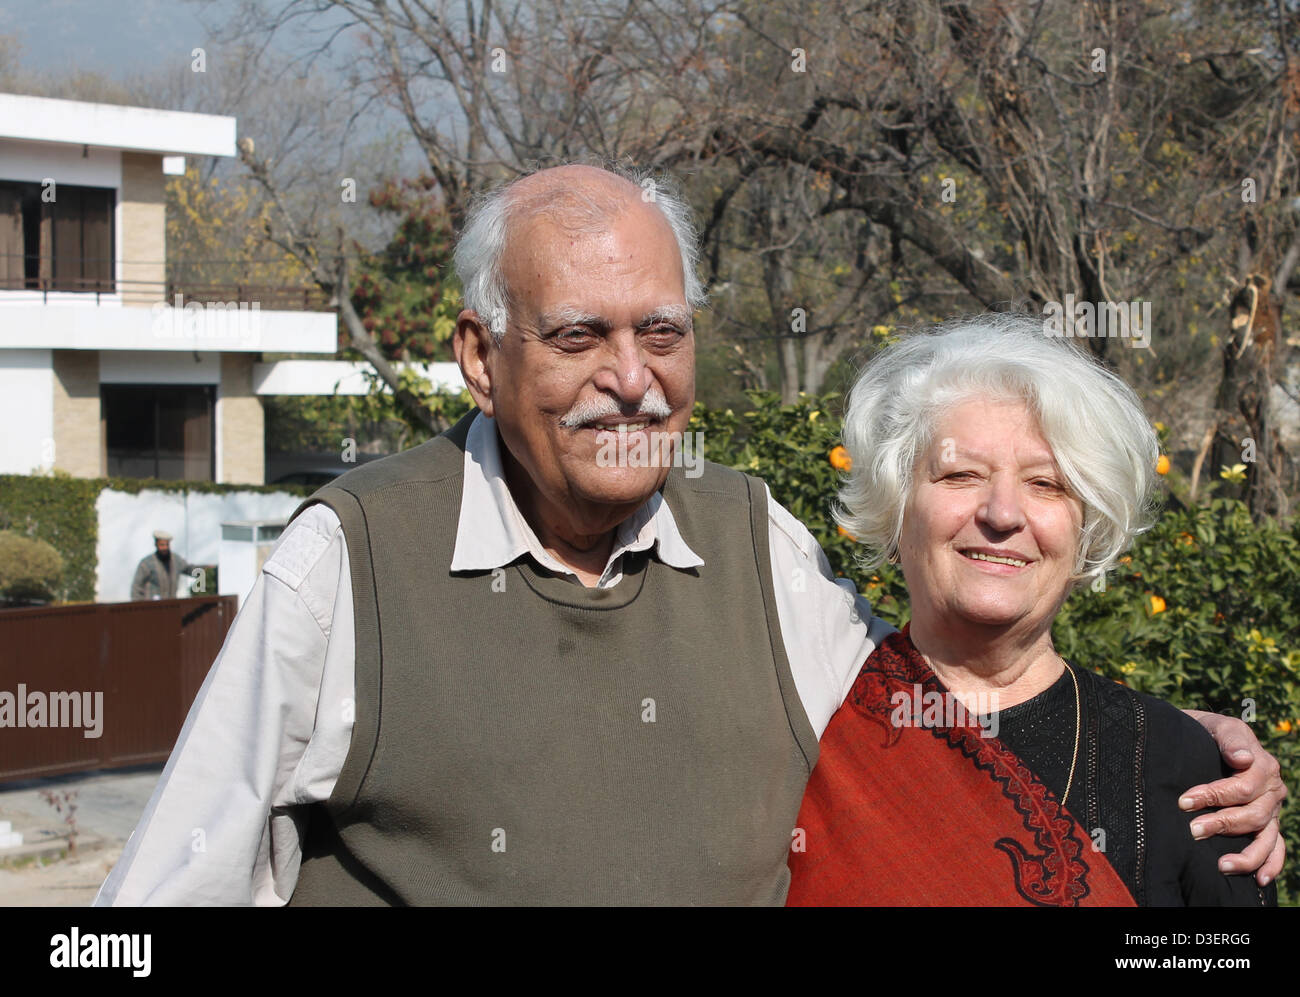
1078	722
1078	726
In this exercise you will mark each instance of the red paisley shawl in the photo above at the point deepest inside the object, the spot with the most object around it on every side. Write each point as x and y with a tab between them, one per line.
933	816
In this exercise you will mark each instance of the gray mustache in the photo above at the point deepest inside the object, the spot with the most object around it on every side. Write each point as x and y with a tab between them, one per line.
653	407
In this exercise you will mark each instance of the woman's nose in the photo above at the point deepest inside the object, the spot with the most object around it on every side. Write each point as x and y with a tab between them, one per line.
1001	507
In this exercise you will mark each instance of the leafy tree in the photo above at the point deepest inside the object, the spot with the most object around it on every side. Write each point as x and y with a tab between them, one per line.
405	293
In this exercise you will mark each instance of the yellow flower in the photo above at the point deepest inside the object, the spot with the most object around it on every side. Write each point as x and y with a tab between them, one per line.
845	533
1284	727
1157	605
840	459
1160	427
1236	473
1186	539
1162	465
1129	667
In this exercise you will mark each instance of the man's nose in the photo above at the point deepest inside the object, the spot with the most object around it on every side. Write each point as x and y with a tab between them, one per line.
1002	508
623	371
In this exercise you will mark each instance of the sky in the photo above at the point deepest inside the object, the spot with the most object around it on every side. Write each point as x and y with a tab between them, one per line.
114	37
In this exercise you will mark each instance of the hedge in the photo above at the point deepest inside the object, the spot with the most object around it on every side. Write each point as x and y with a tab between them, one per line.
60	510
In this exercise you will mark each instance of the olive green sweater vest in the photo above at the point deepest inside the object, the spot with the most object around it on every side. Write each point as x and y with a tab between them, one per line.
520	738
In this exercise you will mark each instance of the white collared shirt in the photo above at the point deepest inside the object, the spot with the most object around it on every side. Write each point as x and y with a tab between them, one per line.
271	726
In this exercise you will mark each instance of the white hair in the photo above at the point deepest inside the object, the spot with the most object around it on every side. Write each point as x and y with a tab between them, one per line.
1092	421
584	207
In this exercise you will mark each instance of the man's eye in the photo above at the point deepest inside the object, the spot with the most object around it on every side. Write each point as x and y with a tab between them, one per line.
573	334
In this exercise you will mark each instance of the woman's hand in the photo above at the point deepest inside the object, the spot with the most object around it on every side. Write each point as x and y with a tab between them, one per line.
1252	799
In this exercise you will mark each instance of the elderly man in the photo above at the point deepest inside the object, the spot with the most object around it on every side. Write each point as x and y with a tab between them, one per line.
158	574
500	668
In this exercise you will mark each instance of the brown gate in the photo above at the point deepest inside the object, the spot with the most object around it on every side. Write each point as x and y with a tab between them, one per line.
145	660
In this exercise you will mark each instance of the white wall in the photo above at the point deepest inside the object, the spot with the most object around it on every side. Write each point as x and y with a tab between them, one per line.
34	161
145	367
331	377
26	411
26	324
116	126
127	522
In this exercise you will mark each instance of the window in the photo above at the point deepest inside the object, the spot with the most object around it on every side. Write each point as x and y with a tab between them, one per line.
64	244
156	431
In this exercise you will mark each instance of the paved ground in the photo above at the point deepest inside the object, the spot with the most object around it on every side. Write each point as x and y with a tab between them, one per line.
108	806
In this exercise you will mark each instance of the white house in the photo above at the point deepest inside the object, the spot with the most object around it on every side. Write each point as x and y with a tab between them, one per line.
105	368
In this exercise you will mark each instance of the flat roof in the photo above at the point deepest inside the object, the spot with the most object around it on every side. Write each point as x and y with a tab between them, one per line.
114	126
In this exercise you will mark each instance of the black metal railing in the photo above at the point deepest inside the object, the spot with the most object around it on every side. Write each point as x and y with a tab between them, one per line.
273	297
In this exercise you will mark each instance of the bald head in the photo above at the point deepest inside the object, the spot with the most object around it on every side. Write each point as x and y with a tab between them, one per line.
573	197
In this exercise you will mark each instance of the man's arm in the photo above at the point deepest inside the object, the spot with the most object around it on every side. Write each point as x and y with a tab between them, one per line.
137	583
1251	799
268	733
827	627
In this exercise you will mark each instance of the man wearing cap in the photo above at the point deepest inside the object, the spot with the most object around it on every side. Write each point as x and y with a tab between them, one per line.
158	573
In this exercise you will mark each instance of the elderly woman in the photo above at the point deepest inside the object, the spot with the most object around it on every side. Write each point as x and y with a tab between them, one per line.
1001	468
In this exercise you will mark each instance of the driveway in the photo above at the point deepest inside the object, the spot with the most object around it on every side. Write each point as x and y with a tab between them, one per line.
108	806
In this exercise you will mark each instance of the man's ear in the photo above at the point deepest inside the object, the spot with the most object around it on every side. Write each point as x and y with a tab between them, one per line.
474	346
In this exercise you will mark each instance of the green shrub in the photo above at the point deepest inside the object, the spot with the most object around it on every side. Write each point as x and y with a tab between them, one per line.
1206	614
29	569
61	511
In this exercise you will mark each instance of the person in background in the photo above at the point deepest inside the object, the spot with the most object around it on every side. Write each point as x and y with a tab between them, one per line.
158	573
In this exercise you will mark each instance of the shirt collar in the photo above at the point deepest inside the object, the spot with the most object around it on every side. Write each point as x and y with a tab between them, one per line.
492	532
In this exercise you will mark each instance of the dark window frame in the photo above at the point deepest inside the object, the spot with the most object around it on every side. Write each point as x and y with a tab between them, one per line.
58	234
157	452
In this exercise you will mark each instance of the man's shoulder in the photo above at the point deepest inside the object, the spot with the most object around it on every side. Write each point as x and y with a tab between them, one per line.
434	460
720	480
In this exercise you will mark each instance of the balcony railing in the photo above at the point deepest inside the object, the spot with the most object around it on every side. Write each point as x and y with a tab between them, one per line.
288	299
272	297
